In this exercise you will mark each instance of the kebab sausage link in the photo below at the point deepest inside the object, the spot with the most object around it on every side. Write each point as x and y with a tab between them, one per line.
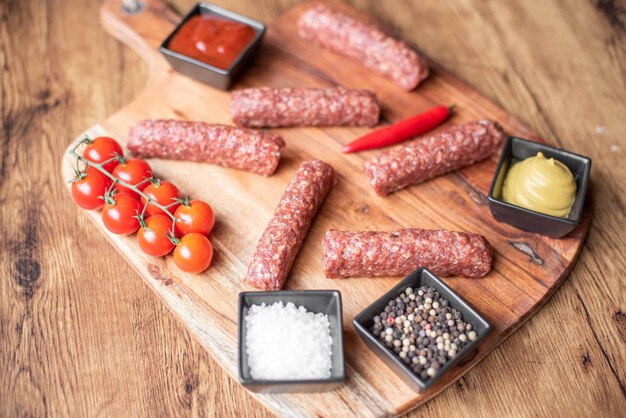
283	236
363	42
337	106
398	253
228	146
423	159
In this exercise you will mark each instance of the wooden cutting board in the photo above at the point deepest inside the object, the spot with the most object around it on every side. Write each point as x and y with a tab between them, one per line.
527	269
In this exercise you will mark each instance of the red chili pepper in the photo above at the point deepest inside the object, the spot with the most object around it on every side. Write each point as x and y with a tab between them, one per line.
401	131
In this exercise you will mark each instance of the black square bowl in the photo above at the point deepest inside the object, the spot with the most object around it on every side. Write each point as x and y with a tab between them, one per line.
327	302
517	149
206	73
420	277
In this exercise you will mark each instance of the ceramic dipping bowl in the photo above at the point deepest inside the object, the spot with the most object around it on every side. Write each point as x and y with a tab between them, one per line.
327	302
206	73
517	149
421	277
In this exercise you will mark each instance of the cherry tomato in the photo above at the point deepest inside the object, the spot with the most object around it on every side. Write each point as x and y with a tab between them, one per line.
164	193
153	238
87	191
120	216
196	216
133	172
194	253
101	149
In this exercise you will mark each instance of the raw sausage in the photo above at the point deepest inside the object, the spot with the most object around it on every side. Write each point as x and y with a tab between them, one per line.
289	225
337	106
398	253
363	42
423	159
228	146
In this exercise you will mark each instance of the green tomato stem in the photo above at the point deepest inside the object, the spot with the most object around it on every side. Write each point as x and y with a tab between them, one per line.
132	187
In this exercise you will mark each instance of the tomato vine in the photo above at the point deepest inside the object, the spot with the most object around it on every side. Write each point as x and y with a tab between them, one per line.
115	181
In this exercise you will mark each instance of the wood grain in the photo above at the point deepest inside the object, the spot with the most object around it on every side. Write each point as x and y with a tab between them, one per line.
513	291
71	349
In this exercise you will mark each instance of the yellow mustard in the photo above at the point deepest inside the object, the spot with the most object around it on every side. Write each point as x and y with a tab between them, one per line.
540	184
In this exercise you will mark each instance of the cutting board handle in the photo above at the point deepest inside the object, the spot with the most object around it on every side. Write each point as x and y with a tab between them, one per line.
143	30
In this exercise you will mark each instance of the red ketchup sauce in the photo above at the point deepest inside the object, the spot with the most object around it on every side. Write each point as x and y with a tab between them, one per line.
212	40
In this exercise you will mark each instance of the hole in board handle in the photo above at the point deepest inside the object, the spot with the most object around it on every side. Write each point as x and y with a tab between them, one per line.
132	7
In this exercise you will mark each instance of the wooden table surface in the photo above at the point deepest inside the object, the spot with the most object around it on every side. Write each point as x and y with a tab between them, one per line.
82	335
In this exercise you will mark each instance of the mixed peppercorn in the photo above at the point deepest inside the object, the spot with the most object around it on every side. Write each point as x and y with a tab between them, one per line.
423	329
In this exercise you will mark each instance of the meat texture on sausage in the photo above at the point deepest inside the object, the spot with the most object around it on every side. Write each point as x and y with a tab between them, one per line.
276	107
283	236
423	159
228	146
363	42
400	252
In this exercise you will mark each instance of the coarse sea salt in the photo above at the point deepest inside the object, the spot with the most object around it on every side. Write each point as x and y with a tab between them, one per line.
285	342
